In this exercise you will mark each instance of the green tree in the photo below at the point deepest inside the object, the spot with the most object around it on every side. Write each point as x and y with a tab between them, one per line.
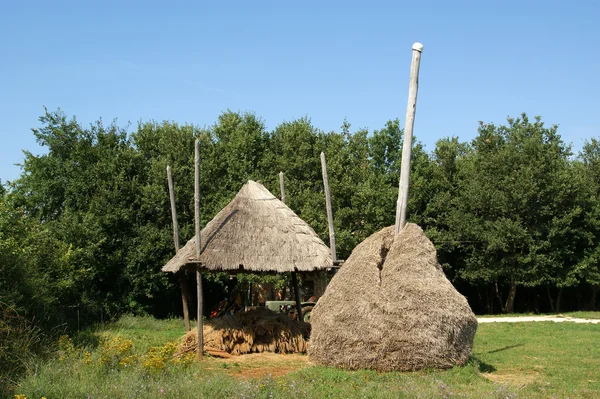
588	271
84	192
439	198
515	206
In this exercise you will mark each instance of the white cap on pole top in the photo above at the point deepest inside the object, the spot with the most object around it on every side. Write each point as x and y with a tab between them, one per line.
418	46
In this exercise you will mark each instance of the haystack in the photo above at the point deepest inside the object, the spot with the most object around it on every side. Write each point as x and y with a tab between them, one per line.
257	330
390	307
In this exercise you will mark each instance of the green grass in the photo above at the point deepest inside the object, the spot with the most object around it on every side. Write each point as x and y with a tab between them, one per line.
510	360
562	358
583	315
145	332
578	314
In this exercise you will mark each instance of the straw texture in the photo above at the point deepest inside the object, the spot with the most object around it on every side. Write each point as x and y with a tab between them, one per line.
257	330
391	307
256	232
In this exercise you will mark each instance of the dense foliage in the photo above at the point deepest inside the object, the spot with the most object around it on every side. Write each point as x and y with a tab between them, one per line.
86	228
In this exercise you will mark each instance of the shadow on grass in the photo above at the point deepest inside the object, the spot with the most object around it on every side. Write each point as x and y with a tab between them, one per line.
505	348
87	339
482	366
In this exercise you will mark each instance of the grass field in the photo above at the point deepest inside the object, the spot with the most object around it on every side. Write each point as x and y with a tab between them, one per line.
578	314
583	314
131	358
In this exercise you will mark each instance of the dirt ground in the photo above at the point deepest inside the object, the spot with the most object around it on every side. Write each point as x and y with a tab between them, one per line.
257	365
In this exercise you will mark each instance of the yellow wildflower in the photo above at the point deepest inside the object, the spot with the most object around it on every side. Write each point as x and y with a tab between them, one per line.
117	351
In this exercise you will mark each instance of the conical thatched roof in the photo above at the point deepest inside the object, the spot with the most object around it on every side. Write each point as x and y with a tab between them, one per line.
391	307
256	232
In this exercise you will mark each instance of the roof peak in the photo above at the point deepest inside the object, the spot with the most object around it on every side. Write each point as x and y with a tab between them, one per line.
259	232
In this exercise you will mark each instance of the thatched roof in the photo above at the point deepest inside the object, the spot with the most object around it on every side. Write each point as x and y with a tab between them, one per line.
255	232
391	307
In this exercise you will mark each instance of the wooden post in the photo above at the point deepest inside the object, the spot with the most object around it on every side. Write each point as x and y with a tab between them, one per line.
181	273
173	210
249	296
197	223
329	209
408	131
281	187
294	278
297	294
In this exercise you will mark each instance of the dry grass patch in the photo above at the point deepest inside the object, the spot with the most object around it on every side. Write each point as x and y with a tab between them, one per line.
259	365
516	377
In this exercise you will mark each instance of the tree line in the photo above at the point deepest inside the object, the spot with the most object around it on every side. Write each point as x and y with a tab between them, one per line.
86	228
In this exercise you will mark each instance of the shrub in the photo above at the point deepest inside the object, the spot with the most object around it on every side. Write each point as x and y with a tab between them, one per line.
157	358
117	352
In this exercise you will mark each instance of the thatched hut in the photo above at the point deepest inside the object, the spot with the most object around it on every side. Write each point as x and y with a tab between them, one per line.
255	232
391	307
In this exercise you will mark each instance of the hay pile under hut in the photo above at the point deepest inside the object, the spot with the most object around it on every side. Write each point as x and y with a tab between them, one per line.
391	307
257	330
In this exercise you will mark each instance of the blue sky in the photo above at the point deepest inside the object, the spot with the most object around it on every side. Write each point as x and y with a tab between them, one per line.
328	60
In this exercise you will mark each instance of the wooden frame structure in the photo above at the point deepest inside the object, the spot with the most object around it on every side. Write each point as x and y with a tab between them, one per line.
196	265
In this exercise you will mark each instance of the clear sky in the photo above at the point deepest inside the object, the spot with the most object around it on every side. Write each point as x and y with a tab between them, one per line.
328	60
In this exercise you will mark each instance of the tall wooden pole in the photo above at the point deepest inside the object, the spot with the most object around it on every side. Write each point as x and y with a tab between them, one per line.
182	279
197	223
329	209
294	278
408	132
297	295
281	187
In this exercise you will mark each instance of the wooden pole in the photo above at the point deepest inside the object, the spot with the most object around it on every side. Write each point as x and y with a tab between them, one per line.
182	279
173	210
297	295
249	296
294	278
329	209
197	224
281	187
408	132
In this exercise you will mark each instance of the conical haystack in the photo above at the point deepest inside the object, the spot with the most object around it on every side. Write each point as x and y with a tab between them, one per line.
391	307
